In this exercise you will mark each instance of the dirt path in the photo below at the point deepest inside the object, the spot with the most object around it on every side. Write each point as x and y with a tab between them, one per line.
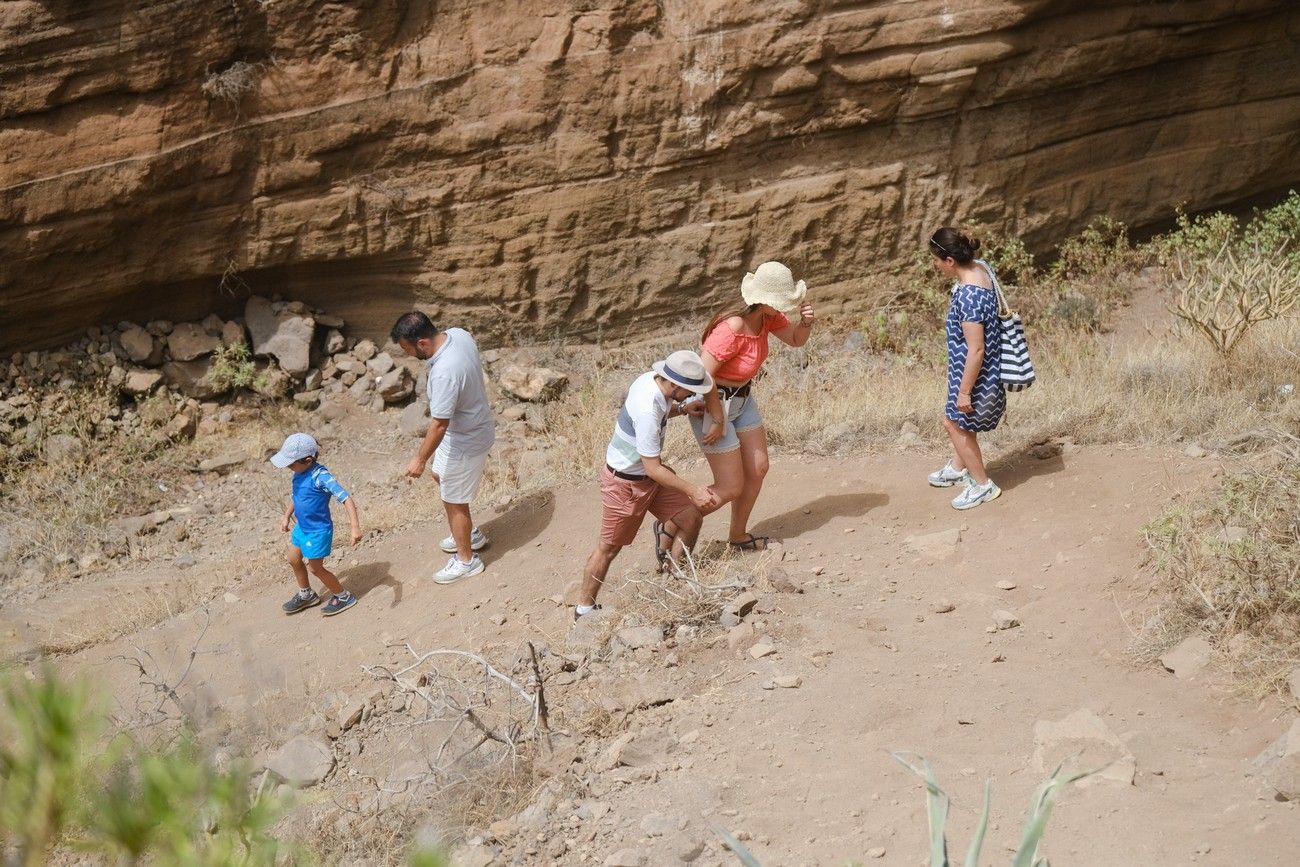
804	772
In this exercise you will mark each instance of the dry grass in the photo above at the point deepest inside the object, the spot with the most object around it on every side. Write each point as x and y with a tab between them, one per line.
1230	569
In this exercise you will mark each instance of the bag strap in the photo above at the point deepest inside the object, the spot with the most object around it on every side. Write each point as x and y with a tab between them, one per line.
1004	308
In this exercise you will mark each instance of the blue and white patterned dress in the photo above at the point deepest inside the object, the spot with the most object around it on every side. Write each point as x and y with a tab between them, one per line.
988	397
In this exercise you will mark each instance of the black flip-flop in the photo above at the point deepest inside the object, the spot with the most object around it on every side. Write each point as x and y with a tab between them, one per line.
660	554
751	544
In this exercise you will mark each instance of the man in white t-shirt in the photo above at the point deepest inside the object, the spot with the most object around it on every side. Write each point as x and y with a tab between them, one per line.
461	432
636	481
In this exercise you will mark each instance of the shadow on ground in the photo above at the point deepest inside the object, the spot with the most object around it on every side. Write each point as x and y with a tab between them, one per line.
1010	471
813	515
523	522
362	579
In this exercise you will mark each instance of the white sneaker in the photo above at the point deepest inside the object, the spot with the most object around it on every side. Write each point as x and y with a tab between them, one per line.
973	495
947	477
477	542
456	570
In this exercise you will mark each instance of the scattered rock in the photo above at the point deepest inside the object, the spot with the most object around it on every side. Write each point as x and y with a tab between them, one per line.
141	382
781	581
221	463
232	332
876	852
1280	764
762	649
303	761
365	350
533	383
285	336
659	824
1189	658
627	858
943	606
1086	741
334	342
788	681
936	546
414	421
741	636
1004	584
592	631
188	341
184	561
183	425
635	637
473	855
381	364
1005	620
631	693
742	604
684	847
1195	451
64	447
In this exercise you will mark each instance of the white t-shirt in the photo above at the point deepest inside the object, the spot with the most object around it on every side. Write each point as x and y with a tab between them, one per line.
456	393
640	427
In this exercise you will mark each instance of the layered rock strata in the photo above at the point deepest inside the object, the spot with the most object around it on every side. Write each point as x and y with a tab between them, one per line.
598	167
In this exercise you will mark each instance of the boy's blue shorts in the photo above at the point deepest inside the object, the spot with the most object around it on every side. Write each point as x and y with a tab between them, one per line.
315	545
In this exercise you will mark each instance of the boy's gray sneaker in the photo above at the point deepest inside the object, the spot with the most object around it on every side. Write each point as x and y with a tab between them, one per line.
338	602
300	603
477	542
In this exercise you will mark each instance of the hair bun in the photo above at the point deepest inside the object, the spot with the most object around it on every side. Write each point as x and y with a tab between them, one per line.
974	244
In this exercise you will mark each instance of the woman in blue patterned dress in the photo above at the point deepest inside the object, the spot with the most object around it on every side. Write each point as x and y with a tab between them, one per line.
976	398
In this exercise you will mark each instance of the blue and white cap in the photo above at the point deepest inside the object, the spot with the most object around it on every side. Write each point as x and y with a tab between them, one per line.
685	368
296	447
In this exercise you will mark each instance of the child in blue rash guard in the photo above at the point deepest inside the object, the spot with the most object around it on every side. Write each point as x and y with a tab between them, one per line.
313	535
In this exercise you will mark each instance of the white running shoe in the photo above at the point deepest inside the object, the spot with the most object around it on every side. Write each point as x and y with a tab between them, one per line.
477	542
947	477
456	570
973	495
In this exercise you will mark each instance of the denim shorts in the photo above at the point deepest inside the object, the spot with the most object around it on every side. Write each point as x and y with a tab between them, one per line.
742	415
315	545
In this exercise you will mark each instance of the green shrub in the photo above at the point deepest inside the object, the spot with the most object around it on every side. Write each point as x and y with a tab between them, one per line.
233	368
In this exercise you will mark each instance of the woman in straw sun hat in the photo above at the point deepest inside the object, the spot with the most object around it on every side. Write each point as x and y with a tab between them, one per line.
734	347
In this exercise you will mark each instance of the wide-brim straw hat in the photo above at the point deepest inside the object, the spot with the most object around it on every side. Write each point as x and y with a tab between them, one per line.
773	284
685	368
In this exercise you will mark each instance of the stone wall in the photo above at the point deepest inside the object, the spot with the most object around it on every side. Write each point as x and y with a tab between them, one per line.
534	167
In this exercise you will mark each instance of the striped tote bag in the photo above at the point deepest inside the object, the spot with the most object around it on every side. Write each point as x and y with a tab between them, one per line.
1017	369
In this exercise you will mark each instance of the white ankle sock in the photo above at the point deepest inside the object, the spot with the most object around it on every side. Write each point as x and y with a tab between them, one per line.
585	609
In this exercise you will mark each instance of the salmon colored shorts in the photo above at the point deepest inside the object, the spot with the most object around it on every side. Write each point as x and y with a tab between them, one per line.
624	504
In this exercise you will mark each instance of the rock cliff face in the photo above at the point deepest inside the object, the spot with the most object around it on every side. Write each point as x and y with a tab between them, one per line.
544	166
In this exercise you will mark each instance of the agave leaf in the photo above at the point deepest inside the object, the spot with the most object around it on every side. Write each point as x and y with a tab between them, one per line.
937	803
977	842
1040	810
742	854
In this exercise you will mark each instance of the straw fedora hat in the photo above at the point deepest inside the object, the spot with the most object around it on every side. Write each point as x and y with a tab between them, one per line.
684	368
773	284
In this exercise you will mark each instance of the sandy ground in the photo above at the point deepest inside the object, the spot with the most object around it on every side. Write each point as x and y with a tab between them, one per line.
805	772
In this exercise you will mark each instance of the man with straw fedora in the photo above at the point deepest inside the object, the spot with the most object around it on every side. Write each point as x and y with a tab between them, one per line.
635	480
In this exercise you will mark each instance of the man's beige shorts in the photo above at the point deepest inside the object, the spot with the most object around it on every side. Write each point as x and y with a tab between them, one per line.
458	477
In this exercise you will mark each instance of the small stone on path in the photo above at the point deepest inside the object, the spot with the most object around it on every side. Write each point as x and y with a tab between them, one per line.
943	606
1005	620
788	681
1004	584
762	649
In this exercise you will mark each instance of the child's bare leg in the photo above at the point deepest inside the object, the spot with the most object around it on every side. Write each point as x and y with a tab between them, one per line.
328	578
299	567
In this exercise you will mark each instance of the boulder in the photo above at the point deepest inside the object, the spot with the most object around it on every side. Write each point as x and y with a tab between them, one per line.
334	342
303	761
188	341
365	350
284	336
141	347
193	378
532	383
140	382
1189	658
233	332
381	364
396	385
1084	741
414	421
213	324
